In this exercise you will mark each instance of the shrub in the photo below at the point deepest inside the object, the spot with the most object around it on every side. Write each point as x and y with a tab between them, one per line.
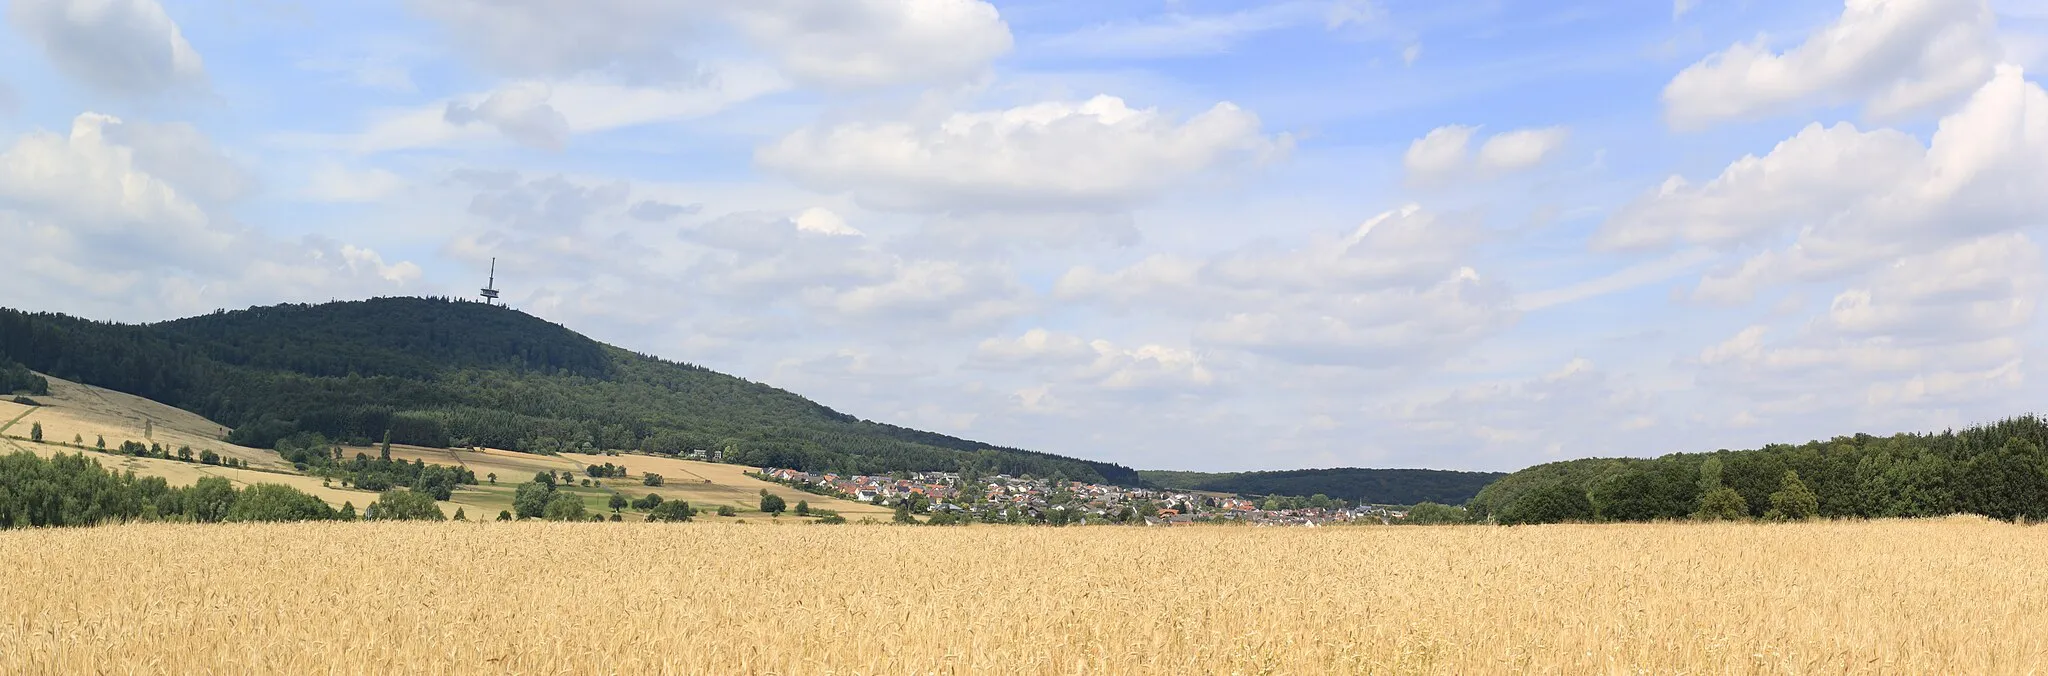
564	508
1722	504
726	510
404	505
772	504
673	510
274	502
652	479
647	503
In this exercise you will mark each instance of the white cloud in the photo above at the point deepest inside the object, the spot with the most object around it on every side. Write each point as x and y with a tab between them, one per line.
520	112
1177	34
1521	149
545	114
854	43
1057	156
110	237
1445	152
331	182
1439	153
1893	56
822	221
122	46
1856	199
1393	292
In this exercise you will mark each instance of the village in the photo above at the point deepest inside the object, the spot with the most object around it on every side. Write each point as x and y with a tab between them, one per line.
1002	498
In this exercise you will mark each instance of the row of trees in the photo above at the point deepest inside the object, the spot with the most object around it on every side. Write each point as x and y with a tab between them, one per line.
74	490
1999	470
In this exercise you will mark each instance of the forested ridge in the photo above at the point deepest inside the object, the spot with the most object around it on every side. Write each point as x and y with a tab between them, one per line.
1998	470
1365	486
440	372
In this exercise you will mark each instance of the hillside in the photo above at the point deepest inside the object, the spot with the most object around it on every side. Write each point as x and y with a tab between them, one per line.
1382	486
439	373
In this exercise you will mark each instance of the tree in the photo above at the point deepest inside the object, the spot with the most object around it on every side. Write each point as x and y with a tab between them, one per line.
564	507
78	439
651	479
1722	504
617	503
772	504
385	452
459	516
101	443
647	503
494	478
727	510
185	453
902	512
274	502
673	510
1793	501
1430	513
547	478
348	511
35	433
531	500
209	457
210	499
803	508
400	504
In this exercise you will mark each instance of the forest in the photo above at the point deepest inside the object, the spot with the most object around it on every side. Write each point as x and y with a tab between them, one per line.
1997	470
442	372
1360	486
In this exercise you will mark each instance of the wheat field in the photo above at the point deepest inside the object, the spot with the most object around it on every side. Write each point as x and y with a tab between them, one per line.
1954	596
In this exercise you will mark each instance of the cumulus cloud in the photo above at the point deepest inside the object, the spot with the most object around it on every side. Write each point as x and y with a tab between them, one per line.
856	43
1576	409
122	46
1445	152
1892	56
520	112
110	236
1393	291
1070	364
1856	199
1056	156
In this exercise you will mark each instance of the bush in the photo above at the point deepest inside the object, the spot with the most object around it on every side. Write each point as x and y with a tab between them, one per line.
404	505
673	510
773	504
207	457
1793	501
274	502
652	479
647	503
1722	504
726	510
564	507
504	515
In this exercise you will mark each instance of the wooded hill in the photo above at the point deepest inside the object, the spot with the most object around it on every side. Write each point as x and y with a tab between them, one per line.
439	372
1381	486
1998	470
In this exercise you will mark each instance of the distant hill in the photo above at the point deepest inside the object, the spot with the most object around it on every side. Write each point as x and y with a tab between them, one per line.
435	372
1383	486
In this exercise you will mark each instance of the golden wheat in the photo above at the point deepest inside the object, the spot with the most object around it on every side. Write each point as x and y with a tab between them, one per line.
1956	596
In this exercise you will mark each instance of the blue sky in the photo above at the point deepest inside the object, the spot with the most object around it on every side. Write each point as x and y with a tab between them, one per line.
1181	234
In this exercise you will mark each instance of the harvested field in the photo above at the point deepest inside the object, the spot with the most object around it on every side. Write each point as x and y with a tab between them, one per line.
1956	596
708	484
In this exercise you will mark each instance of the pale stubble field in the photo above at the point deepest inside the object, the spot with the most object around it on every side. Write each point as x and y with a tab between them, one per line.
1953	596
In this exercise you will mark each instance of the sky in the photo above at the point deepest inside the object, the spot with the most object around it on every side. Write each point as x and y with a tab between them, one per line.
1179	234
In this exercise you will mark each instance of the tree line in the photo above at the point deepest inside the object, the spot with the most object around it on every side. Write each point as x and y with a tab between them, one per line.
1364	486
1998	470
438	372
74	490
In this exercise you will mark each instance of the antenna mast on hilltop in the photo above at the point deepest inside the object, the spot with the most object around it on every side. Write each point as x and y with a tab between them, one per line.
490	293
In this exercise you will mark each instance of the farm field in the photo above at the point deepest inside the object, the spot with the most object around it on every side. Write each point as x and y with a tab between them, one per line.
1949	596
708	484
85	412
